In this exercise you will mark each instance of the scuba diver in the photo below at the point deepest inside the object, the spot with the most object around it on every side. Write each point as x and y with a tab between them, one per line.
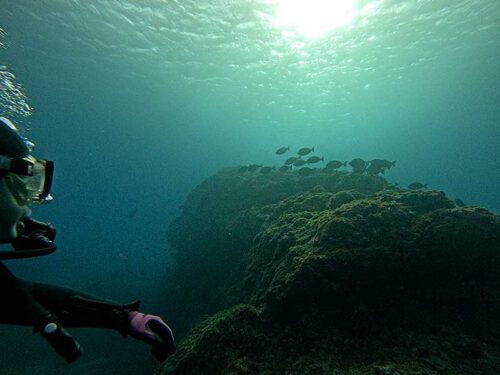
49	309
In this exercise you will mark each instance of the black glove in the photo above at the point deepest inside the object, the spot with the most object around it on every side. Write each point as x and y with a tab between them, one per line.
33	234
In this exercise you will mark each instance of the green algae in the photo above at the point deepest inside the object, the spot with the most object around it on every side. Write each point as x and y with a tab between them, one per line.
334	273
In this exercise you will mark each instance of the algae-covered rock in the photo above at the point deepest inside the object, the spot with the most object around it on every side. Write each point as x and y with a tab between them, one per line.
419	201
239	330
213	236
333	273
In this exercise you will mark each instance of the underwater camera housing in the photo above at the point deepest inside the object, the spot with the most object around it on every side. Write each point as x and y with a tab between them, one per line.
35	239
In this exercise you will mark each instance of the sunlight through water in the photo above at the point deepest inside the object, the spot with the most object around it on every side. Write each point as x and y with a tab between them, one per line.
315	18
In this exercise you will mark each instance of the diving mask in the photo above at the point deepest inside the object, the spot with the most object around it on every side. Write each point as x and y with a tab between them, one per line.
35	174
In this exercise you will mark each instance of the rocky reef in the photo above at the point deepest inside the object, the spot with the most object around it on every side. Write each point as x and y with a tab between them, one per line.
332	273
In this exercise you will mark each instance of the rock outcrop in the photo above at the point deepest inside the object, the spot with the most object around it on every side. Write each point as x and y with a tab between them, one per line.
333	273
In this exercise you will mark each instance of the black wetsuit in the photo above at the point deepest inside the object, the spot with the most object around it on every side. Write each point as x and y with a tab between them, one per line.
50	308
36	304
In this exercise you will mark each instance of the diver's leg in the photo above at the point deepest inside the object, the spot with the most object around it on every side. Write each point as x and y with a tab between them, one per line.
18	305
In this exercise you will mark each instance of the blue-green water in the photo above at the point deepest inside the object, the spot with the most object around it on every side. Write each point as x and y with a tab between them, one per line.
139	101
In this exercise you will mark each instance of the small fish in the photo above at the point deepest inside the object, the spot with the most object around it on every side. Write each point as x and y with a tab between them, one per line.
373	169
358	165
380	163
335	164
314	159
282	150
305	150
266	170
291	160
306	171
416	186
299	162
243	169
144	258
132	213
285	168
254	167
459	202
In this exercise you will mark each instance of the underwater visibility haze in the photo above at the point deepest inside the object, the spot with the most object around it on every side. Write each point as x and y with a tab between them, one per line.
142	103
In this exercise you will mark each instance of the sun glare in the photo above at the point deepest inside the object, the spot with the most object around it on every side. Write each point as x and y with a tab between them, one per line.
313	18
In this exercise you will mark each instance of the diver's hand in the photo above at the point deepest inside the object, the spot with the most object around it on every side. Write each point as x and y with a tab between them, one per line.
153	330
33	234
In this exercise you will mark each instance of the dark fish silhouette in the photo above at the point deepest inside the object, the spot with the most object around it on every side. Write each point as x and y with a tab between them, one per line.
243	169
282	150
254	167
266	170
132	213
373	169
335	164
358	165
306	171
459	202
299	162
416	185
381	163
291	160
285	168
305	150
314	159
